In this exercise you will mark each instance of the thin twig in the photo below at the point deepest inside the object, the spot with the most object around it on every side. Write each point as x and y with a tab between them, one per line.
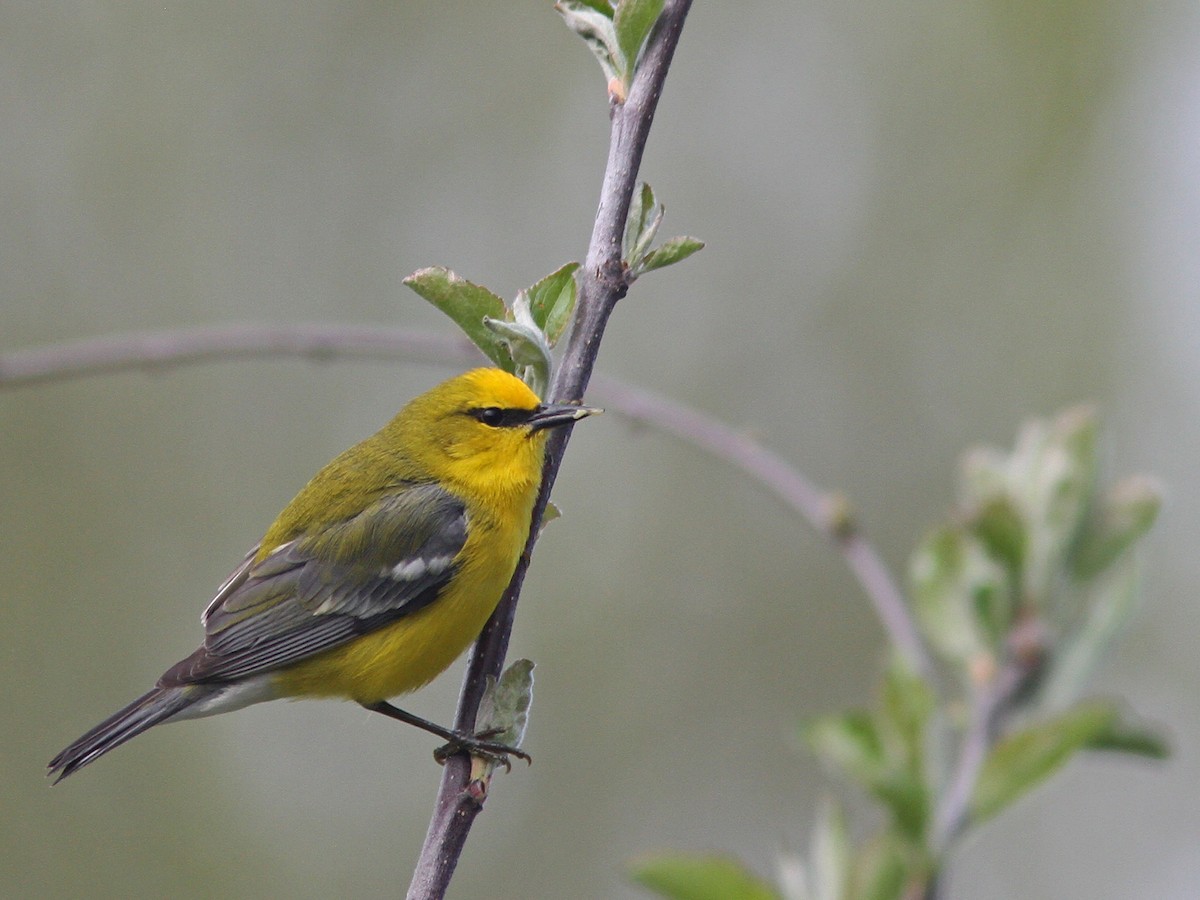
988	704
828	514
993	699
159	350
601	285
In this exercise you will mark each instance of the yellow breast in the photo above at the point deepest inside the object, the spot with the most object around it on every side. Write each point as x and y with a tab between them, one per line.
410	652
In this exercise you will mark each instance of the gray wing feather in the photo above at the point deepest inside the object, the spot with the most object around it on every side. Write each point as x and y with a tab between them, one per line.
324	589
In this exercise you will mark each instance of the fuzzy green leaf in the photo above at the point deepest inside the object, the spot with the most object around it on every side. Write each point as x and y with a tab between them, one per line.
552	301
552	512
526	343
468	305
1123	517
1134	739
1001	530
907	799
633	21
1076	432
595	26
1053	479
953	582
504	709
908	702
699	877
645	215
876	754
1110	602
1023	760
851	743
669	253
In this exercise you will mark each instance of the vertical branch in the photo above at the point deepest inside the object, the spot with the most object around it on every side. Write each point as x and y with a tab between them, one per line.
602	284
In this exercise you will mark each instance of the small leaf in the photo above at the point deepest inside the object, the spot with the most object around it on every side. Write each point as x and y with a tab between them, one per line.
591	23
526	344
1124	516
552	301
633	21
641	208
697	877
1137	740
504	708
907	799
468	305
1053	473
651	221
1023	760
884	752
953	580
552	512
849	742
908	702
1001	530
1109	604
671	252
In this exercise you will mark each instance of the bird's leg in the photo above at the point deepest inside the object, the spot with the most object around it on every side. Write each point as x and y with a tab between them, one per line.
475	744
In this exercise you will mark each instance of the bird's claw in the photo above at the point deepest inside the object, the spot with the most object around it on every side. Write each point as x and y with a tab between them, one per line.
478	745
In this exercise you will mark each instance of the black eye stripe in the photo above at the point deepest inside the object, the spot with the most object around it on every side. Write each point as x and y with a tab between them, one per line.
497	417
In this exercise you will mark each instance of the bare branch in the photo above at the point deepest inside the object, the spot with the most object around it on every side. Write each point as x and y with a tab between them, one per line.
827	513
158	350
992	702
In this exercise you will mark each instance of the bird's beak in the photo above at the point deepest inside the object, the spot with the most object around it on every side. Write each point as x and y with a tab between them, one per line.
552	415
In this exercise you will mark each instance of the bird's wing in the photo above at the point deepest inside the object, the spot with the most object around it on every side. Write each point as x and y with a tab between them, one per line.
323	589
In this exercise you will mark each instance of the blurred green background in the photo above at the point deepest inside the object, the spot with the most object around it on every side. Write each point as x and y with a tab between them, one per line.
926	221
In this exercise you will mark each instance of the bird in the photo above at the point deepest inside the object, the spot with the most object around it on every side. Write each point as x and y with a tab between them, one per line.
376	576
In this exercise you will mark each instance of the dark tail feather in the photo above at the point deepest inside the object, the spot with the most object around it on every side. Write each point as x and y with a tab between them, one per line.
145	712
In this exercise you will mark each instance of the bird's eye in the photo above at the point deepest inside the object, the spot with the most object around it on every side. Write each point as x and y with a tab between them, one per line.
490	415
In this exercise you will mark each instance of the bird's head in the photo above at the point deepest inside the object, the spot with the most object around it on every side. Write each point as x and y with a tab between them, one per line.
482	430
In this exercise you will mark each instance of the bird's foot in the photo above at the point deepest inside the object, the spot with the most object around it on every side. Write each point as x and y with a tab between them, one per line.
479	745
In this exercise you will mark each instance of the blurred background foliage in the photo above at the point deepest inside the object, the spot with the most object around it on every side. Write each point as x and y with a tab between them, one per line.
925	222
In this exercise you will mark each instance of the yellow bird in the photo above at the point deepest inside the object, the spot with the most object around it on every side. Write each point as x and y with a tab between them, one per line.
379	573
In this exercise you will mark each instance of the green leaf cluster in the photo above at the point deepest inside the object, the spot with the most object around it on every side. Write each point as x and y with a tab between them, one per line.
517	338
645	216
1019	594
1032	575
885	750
1034	542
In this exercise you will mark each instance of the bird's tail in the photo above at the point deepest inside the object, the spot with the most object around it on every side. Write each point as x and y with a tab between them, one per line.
145	712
